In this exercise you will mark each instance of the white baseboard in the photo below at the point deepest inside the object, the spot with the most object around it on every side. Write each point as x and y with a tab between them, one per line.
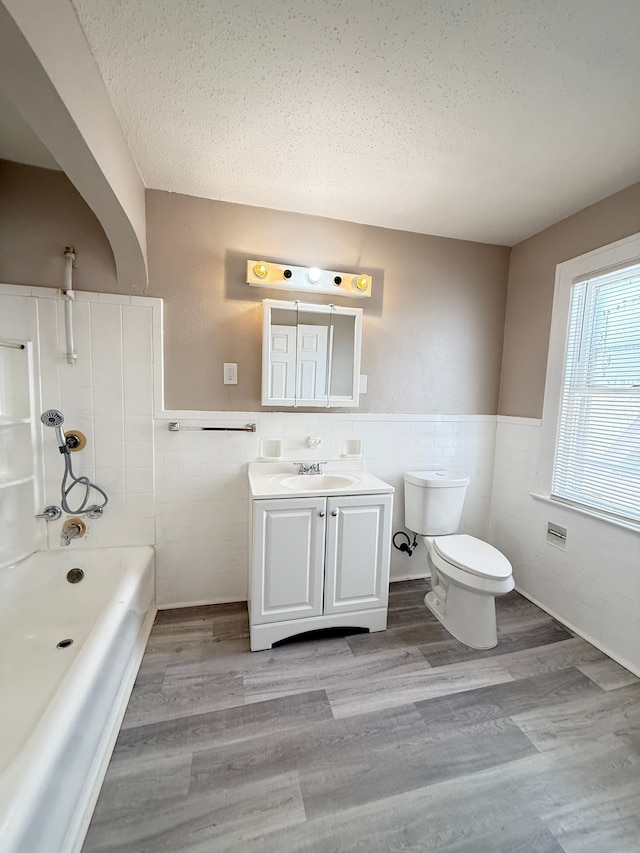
410	577
205	602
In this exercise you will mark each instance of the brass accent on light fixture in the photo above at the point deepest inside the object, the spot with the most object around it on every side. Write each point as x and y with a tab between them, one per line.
261	270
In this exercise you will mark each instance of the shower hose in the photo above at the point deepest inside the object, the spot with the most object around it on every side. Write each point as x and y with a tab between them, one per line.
70	481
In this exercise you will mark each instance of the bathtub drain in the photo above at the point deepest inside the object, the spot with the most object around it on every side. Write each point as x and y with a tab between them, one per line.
63	644
75	575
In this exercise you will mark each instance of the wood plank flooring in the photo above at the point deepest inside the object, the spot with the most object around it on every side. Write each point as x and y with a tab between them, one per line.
400	741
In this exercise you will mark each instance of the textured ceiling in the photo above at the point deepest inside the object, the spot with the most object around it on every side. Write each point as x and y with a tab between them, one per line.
486	120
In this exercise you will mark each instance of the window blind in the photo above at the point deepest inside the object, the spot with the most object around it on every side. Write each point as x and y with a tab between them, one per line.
597	460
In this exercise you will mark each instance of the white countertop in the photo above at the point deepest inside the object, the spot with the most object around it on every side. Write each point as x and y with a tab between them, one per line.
279	480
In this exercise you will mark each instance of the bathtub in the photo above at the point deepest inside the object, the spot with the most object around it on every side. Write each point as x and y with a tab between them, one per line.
61	707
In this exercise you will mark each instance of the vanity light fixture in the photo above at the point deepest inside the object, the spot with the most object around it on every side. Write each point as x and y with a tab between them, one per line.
289	277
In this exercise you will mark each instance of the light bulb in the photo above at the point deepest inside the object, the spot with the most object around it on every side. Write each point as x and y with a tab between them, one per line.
314	275
261	270
361	282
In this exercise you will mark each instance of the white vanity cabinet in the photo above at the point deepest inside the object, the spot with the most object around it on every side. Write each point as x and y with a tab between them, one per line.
319	562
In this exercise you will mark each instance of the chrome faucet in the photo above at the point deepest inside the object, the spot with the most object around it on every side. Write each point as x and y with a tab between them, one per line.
310	468
71	531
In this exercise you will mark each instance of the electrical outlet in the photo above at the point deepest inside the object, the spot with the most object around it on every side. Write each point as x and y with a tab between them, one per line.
230	374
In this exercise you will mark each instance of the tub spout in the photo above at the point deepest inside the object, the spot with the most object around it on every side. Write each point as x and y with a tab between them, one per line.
69	532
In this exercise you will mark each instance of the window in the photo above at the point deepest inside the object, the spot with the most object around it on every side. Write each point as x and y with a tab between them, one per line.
592	404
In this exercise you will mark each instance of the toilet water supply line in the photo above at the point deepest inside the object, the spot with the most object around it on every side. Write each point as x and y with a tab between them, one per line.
68	295
408	547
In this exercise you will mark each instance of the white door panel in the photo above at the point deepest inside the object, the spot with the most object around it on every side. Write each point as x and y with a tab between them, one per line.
288	559
357	560
282	362
312	362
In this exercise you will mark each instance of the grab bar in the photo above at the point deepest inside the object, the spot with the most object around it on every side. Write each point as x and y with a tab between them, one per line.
11	345
174	426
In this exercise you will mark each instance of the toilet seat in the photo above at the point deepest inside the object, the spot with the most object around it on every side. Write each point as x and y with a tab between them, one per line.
473	555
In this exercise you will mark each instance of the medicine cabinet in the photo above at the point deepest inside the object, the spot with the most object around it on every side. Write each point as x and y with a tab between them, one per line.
310	354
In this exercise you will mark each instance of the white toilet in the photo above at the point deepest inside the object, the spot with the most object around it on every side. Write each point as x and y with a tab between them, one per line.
466	573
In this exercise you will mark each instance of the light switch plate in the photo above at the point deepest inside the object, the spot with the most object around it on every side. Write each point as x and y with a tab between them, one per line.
363	383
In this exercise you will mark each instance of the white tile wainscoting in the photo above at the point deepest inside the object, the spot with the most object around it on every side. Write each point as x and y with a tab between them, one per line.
203	499
187	492
593	584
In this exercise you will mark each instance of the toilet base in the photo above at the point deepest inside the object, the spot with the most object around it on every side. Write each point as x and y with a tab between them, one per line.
468	616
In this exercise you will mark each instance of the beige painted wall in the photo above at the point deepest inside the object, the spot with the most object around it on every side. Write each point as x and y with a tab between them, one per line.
432	332
49	74
40	213
530	296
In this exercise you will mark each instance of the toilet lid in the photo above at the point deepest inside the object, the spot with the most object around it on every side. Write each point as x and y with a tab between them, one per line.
473	555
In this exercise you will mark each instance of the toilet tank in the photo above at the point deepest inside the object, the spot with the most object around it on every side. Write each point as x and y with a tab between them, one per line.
433	501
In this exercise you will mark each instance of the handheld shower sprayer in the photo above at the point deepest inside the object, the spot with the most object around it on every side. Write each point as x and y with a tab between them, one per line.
53	418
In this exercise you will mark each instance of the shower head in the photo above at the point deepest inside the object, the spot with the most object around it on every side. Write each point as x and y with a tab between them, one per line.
53	418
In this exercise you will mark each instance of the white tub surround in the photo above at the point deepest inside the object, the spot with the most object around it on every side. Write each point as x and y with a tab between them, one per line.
20	462
62	707
108	394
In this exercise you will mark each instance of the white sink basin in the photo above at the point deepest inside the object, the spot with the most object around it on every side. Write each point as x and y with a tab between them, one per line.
318	482
276	480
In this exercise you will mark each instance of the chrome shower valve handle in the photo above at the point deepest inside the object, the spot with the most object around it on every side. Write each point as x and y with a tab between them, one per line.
51	513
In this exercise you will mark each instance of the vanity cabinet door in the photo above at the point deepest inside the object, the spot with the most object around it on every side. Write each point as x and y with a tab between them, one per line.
288	559
358	549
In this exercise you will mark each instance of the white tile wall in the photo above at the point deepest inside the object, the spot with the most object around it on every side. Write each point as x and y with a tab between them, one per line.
188	491
20	533
111	405
593	585
203	498
93	398
191	495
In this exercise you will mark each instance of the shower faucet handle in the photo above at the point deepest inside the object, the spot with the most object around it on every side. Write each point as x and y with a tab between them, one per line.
51	513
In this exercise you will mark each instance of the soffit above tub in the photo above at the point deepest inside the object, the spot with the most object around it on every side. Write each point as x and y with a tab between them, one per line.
18	142
484	121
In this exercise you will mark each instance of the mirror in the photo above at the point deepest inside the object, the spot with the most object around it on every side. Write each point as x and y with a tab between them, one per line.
310	354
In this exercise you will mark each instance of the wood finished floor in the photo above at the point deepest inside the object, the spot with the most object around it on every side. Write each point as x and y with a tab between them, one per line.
403	740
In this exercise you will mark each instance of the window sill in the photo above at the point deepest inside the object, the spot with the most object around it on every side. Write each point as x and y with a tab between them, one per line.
593	514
